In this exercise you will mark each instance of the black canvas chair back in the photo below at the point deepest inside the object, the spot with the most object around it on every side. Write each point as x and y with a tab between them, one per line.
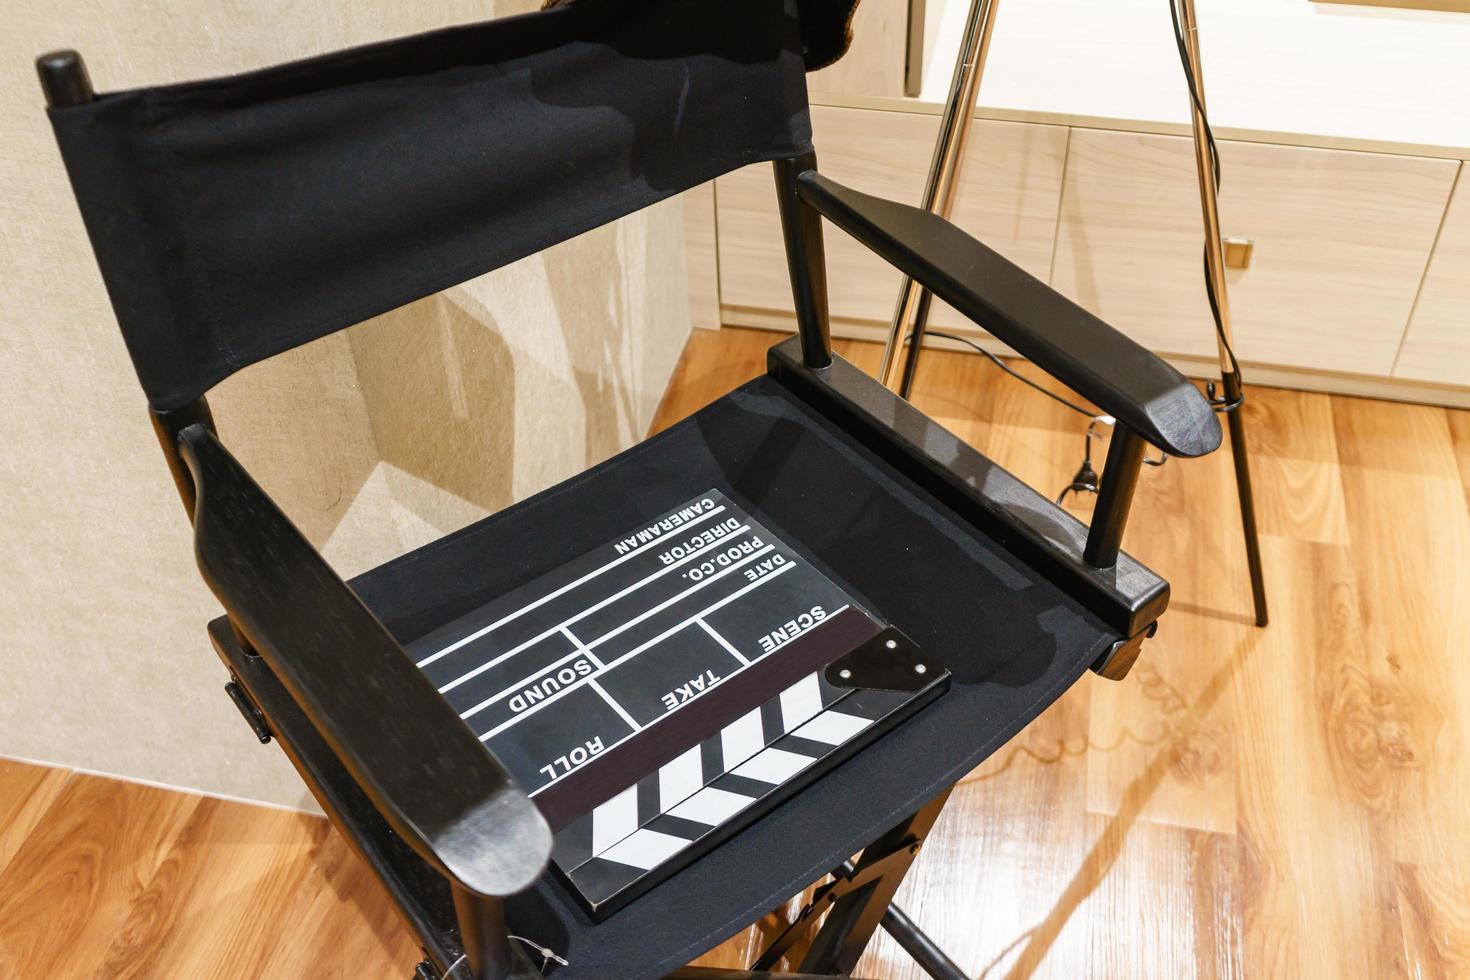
236	218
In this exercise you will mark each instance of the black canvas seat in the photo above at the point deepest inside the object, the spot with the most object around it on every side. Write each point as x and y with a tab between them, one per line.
1013	640
238	218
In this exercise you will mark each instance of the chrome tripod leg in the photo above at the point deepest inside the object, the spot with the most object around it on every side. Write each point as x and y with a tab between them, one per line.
1204	158
912	312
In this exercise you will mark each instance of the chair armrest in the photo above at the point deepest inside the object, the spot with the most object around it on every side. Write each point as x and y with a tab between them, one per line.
422	767
1119	376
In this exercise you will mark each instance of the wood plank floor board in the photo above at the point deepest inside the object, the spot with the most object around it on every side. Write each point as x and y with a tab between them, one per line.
1315	866
1176	705
1294	451
26	793
1411	552
1286	802
1011	912
1459	423
1413	569
75	879
341	925
222	897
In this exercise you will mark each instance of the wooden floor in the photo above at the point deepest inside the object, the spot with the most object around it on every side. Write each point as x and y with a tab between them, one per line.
1286	802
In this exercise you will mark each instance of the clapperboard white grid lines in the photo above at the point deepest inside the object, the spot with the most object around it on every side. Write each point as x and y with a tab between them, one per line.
565	627
626	556
569	632
551	699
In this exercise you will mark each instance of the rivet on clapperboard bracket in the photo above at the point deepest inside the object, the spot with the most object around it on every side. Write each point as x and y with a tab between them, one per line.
890	661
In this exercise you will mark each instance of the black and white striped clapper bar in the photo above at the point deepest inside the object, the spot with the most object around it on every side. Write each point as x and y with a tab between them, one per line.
596	733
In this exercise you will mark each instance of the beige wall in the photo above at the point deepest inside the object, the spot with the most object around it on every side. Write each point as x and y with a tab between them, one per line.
375	441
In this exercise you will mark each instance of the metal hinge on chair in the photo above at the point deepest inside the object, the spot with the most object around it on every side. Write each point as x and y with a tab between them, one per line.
249	710
844	880
1118	659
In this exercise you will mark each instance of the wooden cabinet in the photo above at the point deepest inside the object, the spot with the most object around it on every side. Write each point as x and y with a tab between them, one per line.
1341	242
1437	344
1342	238
883	41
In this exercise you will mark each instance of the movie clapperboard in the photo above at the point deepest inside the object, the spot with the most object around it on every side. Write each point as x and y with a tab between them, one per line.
662	691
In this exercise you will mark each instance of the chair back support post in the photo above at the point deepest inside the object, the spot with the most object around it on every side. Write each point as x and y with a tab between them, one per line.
801	227
167	425
1114	497
65	83
64	79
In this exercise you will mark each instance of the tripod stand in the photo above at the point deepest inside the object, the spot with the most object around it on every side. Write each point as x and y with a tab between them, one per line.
911	315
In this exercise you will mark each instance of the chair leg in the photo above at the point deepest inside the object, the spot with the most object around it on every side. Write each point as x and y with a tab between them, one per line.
859	899
924	951
854	918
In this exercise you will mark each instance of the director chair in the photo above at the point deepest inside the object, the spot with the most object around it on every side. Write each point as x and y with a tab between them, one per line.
626	717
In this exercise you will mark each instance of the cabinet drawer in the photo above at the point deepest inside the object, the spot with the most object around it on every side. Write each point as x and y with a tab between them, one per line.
1437	345
1341	241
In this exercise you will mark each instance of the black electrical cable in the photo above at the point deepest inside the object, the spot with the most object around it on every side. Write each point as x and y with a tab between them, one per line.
1199	107
1009	370
1209	285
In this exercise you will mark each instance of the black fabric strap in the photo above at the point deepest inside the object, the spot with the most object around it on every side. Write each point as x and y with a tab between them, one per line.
239	217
